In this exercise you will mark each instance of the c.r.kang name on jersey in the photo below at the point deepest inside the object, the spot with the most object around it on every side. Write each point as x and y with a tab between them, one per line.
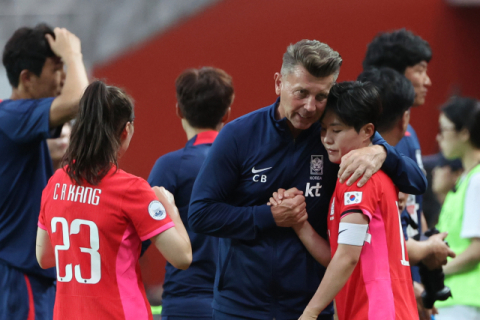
77	194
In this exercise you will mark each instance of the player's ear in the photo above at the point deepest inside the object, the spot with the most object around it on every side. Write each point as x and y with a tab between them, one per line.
127	130
368	131
178	111
405	121
25	80
227	115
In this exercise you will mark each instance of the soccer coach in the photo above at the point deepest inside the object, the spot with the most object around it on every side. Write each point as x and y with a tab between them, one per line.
263	270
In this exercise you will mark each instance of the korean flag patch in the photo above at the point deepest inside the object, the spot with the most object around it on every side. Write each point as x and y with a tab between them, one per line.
157	210
353	197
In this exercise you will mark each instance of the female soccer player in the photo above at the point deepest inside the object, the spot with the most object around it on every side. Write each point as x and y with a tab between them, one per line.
459	137
369	274
94	216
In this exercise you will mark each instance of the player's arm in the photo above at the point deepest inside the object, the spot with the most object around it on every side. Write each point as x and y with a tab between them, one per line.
162	174
67	46
174	243
364	162
318	247
315	244
44	250
209	212
342	265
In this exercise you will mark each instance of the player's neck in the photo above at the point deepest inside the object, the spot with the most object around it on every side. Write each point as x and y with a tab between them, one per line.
192	132
392	137
18	93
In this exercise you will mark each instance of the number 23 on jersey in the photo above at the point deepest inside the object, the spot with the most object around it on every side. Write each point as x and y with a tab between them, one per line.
95	265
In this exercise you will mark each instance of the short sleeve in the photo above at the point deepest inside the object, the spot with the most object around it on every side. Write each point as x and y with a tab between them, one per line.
471	214
26	120
354	199
147	214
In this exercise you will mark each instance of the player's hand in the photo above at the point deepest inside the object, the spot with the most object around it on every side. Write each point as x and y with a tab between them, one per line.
166	198
290	211
281	194
439	251
65	44
363	162
308	315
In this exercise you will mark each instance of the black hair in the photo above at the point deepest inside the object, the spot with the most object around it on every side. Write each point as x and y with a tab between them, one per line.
27	49
355	103
465	114
396	93
398	50
204	96
96	134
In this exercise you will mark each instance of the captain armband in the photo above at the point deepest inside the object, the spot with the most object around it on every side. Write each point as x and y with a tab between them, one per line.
353	234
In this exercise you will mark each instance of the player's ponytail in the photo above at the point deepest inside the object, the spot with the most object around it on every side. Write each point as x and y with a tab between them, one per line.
95	139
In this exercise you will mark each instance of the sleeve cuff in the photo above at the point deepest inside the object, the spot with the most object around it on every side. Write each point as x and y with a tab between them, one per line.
41	226
263	218
158	231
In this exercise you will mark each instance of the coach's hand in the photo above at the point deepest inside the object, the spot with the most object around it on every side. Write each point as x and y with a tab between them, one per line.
290	211
363	162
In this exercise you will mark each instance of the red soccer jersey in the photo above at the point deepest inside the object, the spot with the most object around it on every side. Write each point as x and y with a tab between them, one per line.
380	287
96	232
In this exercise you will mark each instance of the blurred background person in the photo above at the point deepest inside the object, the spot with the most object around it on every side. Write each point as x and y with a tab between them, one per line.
57	147
43	98
459	137
204	97
448	172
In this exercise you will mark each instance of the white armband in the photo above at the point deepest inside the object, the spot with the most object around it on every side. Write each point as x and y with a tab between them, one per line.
353	234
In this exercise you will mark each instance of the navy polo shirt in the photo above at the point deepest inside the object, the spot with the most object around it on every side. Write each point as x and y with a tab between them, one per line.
187	293
25	167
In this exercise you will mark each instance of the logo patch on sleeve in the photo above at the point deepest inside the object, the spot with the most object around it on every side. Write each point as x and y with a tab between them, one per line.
353	197
157	210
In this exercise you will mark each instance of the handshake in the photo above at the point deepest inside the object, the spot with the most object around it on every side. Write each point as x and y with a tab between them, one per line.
288	207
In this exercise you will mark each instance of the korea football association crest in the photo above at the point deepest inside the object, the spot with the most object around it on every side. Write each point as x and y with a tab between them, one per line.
316	165
352	197
157	210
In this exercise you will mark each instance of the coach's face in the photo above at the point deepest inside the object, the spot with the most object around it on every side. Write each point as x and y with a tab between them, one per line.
302	97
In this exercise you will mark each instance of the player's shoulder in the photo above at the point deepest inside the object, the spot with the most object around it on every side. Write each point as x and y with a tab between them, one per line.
58	176
409	141
123	180
23	105
170	159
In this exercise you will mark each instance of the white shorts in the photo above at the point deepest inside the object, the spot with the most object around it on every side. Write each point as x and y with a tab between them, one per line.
458	312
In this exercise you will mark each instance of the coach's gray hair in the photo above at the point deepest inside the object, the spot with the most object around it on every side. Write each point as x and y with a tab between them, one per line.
318	58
